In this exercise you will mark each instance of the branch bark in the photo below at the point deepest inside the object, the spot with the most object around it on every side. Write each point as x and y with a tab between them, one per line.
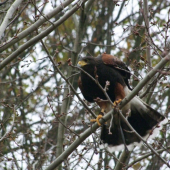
146	16
122	160
8	16
10	129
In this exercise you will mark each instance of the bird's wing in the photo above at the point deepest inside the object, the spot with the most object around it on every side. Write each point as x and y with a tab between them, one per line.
117	64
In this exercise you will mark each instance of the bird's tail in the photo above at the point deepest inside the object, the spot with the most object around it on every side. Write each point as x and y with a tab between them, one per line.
145	120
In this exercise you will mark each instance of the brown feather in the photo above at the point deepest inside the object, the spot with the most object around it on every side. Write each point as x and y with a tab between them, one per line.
115	62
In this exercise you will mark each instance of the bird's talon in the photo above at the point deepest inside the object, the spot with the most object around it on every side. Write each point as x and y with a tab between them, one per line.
116	102
97	120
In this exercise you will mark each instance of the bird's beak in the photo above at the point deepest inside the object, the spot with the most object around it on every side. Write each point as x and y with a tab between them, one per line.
81	63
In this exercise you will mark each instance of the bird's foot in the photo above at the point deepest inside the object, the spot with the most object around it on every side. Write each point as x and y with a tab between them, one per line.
98	118
116	102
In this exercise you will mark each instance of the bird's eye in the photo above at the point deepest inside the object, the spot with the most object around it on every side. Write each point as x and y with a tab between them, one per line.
85	60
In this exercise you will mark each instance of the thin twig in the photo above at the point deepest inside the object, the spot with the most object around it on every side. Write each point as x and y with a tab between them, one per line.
43	14
3	2
147	144
72	88
10	129
35	39
144	156
95	80
18	14
59	119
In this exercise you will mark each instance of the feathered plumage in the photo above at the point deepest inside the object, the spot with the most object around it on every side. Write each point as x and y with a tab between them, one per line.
142	117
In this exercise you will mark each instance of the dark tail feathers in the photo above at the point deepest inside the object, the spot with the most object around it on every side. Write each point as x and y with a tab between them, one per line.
143	119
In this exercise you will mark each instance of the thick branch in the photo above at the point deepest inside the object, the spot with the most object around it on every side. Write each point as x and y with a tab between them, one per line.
10	129
146	19
122	160
8	16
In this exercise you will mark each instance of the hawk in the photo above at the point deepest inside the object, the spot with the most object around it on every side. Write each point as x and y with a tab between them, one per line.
145	120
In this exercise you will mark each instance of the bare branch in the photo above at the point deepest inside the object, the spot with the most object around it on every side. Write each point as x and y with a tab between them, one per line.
145	156
72	88
34	26
8	16
10	129
3	2
146	18
40	36
123	158
18	14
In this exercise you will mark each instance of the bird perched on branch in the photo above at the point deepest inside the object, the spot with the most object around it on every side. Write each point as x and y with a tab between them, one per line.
113	75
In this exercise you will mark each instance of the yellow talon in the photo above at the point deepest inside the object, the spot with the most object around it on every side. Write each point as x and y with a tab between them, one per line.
117	102
97	119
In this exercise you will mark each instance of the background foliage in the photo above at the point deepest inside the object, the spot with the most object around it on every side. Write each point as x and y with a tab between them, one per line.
40	113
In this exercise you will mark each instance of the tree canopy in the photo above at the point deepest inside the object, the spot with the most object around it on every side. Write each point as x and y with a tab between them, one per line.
45	121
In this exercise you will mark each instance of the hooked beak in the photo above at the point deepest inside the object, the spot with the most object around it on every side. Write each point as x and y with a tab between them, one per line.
81	63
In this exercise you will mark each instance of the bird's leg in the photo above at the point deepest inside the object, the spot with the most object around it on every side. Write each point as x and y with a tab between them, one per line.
98	117
119	94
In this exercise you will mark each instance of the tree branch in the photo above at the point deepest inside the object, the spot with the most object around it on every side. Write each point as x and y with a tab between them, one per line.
10	129
3	2
146	19
40	36
144	156
8	16
122	160
34	26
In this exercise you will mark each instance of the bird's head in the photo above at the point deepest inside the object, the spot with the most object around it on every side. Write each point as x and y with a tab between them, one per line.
86	61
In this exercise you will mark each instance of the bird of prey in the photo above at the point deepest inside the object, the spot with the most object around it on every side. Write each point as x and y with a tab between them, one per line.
116	134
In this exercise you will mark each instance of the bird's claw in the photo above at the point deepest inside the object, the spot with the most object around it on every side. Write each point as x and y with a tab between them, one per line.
97	119
116	102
